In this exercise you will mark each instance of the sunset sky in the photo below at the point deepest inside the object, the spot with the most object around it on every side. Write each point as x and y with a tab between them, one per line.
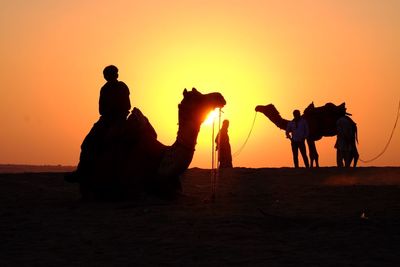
254	52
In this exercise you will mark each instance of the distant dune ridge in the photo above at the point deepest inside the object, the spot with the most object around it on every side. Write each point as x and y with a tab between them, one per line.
21	168
260	217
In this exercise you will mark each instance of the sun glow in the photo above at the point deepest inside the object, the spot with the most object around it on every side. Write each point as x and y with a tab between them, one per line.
252	52
211	117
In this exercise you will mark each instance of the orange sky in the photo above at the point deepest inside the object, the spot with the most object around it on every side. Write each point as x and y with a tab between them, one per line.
288	53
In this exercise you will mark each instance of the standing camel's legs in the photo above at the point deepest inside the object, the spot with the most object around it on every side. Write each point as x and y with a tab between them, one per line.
339	158
313	153
355	156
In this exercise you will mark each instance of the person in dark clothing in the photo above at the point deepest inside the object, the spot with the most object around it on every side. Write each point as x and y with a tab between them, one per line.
297	131
114	107
346	139
223	146
114	103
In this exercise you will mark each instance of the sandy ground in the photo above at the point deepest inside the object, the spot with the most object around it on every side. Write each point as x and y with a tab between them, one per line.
260	217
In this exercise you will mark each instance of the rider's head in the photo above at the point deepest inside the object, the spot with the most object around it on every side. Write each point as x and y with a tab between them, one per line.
110	73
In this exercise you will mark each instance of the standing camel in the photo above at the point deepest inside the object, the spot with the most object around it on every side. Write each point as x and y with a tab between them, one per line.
321	122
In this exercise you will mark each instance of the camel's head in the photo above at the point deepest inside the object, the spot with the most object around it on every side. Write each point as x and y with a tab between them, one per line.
268	110
195	106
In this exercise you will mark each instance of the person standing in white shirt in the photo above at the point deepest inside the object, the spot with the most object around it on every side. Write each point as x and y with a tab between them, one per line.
297	131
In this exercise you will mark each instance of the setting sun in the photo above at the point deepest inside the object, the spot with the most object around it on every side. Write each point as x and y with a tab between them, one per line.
212	117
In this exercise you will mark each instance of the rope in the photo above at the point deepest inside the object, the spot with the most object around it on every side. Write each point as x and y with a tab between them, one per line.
247	139
215	159
388	142
212	162
212	147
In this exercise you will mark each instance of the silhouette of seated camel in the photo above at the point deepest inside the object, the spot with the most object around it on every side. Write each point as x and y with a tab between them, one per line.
130	161
321	122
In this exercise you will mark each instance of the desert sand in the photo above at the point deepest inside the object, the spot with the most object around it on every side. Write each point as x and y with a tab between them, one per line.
260	217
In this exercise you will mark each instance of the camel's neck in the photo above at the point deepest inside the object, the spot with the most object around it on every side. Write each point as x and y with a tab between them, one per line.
187	134
178	157
276	119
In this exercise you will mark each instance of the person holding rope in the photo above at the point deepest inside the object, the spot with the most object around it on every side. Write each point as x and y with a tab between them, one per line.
297	131
223	146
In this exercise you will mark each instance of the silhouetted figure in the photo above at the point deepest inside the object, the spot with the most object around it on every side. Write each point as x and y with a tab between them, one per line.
223	146
114	103
321	122
297	131
114	106
346	148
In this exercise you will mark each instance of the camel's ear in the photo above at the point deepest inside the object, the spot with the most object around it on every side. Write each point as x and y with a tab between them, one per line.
194	89
184	92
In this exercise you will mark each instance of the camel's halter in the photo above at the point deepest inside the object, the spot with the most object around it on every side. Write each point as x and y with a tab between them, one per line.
215	157
388	142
